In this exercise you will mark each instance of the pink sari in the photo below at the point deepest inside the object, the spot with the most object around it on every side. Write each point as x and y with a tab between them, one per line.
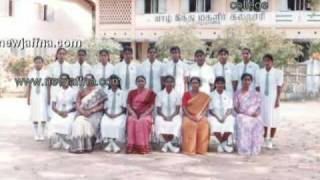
138	129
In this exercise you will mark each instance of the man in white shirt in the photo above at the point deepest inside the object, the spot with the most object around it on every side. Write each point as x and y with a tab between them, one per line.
202	70
152	70
269	83
104	69
227	70
81	68
127	71
246	66
178	69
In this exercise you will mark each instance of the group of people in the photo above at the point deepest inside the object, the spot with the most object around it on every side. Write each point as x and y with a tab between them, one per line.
174	104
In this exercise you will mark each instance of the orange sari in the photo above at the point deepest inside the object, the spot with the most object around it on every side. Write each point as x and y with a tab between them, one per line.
195	135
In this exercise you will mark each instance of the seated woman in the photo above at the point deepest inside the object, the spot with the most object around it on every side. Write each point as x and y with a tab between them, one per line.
64	111
249	123
89	105
139	122
168	120
113	123
220	116
195	128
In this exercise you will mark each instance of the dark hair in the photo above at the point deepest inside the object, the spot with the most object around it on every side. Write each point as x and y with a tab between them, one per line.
220	79
37	58
67	76
82	50
114	78
244	75
104	51
223	50
141	76
58	50
199	51
268	56
127	49
64	75
169	77
91	75
246	49
152	48
195	78
174	48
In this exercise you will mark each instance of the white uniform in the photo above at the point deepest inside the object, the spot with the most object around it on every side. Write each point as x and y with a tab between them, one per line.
114	128
206	75
157	73
228	72
313	76
250	68
65	100
167	103
220	103
120	71
101	71
181	71
268	91
38	96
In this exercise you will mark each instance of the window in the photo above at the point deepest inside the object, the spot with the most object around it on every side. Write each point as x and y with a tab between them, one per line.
10	8
299	5
151	6
199	5
45	12
6	8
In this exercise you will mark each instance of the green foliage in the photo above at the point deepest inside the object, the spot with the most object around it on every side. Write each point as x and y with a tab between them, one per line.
260	41
93	46
184	37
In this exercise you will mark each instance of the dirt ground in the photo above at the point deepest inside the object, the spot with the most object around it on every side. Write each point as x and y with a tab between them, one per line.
297	156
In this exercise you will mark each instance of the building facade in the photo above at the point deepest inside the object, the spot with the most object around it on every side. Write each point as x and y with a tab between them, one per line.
140	22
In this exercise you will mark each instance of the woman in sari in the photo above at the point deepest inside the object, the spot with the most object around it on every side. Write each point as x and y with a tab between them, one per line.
89	105
249	124
140	106
195	127
64	111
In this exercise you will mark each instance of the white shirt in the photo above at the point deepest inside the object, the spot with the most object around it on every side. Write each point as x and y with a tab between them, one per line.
43	75
229	75
162	101
120	70
252	68
275	79
65	99
157	69
86	69
54	69
120	101
181	73
206	75
98	72
220	103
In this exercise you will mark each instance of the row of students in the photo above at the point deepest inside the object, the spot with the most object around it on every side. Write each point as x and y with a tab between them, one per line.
270	80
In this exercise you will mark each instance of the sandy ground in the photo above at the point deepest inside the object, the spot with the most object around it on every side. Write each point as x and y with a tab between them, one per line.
297	155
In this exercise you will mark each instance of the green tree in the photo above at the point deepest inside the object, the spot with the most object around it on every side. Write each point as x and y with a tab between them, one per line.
184	37
260	40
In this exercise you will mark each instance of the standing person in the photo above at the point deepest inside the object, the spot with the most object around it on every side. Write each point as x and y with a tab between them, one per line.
104	69
247	103
202	70
80	68
113	123
86	127
221	120
246	66
195	127
227	70
152	69
38	98
270	81
140	106
168	119
178	69
64	111
127	70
